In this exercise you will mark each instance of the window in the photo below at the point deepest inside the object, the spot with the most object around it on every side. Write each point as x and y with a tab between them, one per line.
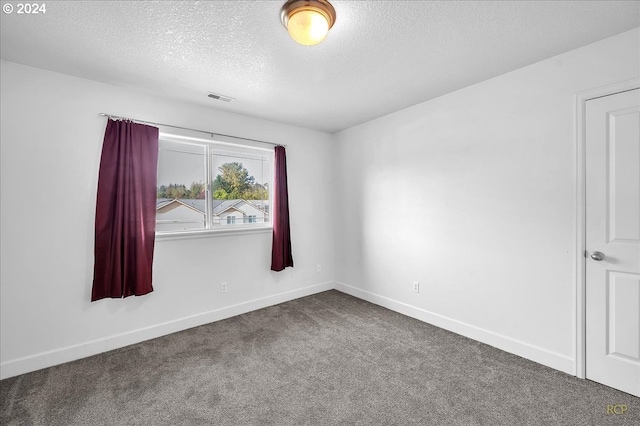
211	185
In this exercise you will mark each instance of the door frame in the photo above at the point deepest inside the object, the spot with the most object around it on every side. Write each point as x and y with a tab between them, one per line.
580	332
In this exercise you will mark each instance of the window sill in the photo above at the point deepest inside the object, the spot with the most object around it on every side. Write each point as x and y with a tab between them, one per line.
208	233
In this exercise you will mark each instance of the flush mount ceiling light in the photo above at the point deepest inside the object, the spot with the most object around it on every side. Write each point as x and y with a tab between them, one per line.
308	21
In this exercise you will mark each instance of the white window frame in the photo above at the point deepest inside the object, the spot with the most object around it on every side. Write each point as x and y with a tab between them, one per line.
228	144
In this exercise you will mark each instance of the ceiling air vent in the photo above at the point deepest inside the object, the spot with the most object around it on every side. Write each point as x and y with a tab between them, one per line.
219	97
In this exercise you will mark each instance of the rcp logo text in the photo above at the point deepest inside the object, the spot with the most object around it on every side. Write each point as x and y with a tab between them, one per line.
617	409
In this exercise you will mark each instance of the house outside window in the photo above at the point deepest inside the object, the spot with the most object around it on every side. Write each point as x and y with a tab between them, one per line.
206	185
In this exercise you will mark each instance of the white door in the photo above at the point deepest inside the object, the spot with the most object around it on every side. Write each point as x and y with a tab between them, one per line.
613	241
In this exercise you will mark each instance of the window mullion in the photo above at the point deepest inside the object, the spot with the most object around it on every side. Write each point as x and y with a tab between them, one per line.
208	205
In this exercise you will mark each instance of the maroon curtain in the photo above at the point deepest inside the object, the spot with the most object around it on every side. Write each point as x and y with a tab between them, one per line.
281	247
125	211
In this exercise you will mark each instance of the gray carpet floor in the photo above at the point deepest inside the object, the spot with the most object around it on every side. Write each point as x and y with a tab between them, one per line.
319	360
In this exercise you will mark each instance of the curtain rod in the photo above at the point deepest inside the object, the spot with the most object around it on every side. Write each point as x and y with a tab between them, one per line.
212	134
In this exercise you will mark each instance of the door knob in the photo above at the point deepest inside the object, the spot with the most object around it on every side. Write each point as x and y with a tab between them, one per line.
596	255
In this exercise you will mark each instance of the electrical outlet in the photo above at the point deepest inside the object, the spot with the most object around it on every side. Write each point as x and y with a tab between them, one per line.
319	268
223	287
416	287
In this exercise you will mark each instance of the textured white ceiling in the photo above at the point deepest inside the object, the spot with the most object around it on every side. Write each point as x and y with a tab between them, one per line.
380	56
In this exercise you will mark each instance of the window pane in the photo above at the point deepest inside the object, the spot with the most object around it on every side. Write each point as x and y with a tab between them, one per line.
240	187
181	194
205	185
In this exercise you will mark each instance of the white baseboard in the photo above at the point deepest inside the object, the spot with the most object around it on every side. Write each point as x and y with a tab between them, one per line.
71	353
534	353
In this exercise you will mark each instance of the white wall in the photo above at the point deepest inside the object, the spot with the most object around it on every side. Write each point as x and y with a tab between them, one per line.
51	140
480	184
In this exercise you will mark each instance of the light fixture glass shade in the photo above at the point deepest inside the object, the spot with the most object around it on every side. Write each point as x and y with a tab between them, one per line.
308	21
307	27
